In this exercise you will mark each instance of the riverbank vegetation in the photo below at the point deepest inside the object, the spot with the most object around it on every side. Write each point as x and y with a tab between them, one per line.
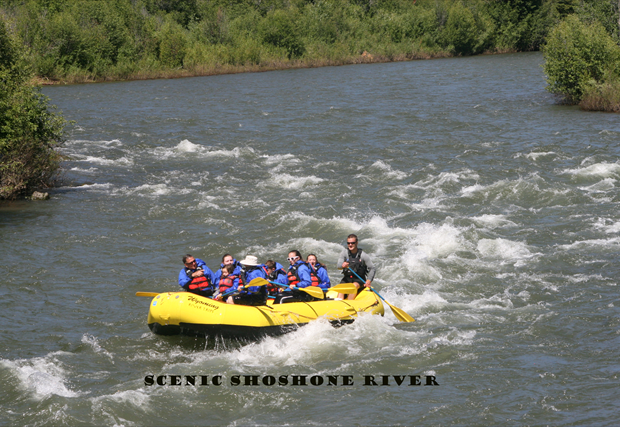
88	40
582	56
29	131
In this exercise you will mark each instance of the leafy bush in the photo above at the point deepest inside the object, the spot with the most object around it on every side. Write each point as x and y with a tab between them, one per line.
29	132
173	46
460	31
278	29
578	55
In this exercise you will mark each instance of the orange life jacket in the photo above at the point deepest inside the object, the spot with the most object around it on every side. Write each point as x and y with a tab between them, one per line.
226	283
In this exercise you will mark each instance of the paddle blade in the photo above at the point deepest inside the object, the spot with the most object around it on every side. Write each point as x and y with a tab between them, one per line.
314	291
344	288
259	281
147	294
400	314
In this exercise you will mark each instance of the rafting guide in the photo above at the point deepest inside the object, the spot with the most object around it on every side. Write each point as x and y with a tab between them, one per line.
291	380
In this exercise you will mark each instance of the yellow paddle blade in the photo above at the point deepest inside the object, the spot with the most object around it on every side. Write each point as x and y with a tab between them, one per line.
259	281
147	294
344	288
316	292
400	314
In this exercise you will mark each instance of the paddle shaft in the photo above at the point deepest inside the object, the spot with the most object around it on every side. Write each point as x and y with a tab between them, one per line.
312	292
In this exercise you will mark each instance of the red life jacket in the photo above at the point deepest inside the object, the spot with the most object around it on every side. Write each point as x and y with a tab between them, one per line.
197	283
227	282
293	276
313	274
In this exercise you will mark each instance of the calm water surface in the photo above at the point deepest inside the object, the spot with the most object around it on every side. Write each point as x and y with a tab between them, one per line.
491	213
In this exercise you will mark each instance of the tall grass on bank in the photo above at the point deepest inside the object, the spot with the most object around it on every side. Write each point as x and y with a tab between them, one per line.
604	96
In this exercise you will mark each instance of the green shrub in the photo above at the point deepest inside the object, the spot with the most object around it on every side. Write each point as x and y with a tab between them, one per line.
278	29
460	31
29	132
173	46
578	55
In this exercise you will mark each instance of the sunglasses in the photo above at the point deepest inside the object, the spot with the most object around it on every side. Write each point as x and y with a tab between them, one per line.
351	243
293	258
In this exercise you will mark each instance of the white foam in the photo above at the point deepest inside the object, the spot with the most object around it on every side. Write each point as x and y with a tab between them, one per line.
493	221
611	228
94	344
290	182
122	161
187	146
593	243
89	170
388	171
603	186
280	159
597	170
104	186
503	249
535	156
43	376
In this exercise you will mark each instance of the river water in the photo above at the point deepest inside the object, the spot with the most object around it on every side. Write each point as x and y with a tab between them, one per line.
490	211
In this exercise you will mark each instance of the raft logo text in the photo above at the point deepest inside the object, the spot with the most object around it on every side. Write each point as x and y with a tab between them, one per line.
291	380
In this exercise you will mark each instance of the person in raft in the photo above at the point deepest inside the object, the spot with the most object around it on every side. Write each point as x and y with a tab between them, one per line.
351	260
226	260
228	283
298	277
254	295
196	277
275	273
318	273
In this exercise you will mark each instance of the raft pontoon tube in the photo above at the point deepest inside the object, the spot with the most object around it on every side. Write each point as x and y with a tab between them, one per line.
185	313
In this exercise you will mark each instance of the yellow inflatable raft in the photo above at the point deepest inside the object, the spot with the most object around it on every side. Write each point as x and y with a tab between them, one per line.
174	313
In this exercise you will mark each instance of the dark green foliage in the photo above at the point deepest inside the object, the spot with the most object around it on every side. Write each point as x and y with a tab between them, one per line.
278	29
460	32
81	40
173	46
29	132
579	55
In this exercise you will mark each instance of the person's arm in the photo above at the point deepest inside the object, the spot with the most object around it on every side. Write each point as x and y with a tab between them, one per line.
324	278
184	279
371	268
305	279
281	278
341	259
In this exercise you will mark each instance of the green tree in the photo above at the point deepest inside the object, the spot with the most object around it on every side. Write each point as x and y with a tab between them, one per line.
578	55
29	132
